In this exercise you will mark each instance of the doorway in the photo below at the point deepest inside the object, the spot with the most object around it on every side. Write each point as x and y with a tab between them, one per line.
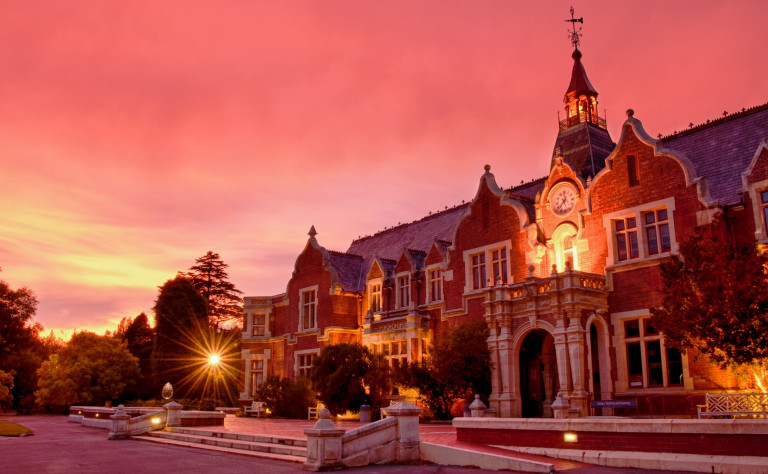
538	374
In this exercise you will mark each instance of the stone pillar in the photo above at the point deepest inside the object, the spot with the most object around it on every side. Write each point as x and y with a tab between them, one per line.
119	428
548	376
324	444
407	436
578	362
173	411
477	408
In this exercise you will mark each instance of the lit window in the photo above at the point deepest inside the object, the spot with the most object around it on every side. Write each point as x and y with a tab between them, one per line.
308	309
404	291
375	297
259	324
257	374
478	271
649	363
764	199
499	264
435	285
625	231
396	352
657	231
304	364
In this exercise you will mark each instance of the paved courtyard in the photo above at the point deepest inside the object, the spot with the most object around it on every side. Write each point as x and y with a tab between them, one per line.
62	447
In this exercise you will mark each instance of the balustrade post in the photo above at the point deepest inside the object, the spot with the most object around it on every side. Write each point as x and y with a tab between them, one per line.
119	427
324	444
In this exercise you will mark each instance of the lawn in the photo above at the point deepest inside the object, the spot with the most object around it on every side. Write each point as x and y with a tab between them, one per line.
9	428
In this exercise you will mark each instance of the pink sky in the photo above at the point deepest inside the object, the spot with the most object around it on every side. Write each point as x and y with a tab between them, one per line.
135	136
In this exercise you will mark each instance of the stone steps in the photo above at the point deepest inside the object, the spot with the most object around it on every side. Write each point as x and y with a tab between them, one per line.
278	448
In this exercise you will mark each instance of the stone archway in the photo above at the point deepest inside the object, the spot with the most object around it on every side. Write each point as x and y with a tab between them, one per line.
538	374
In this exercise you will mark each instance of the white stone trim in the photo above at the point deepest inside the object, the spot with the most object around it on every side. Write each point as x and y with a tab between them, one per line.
398	303
431	268
611	260
619	343
296	354
301	307
487	250
754	190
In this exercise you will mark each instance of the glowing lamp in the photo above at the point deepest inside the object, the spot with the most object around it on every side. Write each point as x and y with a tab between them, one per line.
214	359
155	420
570	437
97	415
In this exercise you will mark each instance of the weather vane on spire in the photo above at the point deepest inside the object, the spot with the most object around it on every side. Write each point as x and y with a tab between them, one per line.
575	34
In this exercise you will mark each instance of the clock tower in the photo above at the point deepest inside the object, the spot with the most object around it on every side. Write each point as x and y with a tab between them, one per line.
582	140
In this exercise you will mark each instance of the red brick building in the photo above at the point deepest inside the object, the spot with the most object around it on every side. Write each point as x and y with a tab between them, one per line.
563	269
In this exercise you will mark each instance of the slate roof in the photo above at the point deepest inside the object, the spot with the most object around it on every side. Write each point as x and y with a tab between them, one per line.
721	150
584	147
416	237
349	269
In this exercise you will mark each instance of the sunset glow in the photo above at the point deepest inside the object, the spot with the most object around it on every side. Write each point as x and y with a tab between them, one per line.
136	136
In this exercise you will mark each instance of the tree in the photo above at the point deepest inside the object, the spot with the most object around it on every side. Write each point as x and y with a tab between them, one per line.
21	349
181	326
6	385
285	398
137	334
714	301
89	369
339	377
209	276
458	368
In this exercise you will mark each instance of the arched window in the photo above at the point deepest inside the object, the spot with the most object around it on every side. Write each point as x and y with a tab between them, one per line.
564	239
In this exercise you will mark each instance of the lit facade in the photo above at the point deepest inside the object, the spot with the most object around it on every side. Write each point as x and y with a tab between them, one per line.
563	269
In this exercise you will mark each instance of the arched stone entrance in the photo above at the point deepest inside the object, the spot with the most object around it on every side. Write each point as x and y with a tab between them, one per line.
538	374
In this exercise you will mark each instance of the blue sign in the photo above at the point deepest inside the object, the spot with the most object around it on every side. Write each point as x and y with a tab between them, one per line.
614	404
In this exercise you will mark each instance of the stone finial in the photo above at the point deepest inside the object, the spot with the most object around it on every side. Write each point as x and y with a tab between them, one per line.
312	232
531	268
630	113
554	269
477	408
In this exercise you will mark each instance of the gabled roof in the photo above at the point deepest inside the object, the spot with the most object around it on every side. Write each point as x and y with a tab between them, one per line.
418	235
722	149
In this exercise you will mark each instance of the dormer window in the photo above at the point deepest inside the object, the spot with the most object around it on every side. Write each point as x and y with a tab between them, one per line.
435	285
404	291
374	300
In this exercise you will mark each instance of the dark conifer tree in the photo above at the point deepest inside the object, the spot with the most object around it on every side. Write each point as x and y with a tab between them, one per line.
209	276
181	324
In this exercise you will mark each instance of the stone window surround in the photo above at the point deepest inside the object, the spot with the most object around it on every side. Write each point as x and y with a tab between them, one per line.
296	354
488	251
562	231
248	330
249	358
371	283
622	372
611	261
398	290
430	297
303	291
755	193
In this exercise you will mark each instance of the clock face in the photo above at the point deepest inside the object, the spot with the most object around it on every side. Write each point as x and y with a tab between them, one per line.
563	200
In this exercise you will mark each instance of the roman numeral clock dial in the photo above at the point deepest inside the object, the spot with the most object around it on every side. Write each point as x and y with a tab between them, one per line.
563	199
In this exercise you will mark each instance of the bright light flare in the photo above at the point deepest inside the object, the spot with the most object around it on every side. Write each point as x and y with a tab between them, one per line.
213	359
